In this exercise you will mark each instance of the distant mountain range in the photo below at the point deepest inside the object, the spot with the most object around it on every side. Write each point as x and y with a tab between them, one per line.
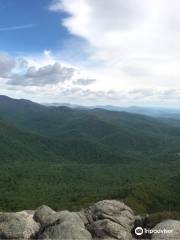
149	111
96	135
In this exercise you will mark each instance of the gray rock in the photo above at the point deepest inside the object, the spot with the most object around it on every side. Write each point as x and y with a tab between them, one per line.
172	225
105	220
107	229
104	238
113	210
64	225
110	219
63	216
83	217
20	225
42	214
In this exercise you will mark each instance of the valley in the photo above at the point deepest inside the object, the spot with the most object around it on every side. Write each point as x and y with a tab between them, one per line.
69	158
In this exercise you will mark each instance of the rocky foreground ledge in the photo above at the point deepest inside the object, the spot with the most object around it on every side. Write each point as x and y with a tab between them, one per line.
105	220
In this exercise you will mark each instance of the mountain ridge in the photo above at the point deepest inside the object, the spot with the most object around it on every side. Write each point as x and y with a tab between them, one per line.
96	125
77	156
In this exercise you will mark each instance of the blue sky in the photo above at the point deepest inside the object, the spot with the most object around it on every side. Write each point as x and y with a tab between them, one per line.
91	52
43	31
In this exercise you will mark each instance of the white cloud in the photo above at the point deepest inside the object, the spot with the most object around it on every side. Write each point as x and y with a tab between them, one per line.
46	75
133	54
84	81
41	71
7	63
90	18
138	41
44	78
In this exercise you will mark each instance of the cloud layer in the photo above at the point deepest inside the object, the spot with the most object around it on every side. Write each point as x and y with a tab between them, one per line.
40	72
131	55
136	40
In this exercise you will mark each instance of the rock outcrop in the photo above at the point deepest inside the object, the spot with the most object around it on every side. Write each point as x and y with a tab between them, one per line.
64	225
42	214
168	230
105	220
109	219
20	225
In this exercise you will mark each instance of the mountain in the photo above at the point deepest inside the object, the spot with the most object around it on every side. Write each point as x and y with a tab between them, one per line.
157	112
19	145
169	116
70	105
68	157
102	133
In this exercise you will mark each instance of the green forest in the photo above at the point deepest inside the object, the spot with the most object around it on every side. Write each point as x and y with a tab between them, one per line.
69	158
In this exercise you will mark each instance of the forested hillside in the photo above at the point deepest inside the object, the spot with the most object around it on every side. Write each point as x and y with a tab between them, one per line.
67	157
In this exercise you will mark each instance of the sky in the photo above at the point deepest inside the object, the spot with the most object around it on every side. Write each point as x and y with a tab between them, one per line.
91	52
